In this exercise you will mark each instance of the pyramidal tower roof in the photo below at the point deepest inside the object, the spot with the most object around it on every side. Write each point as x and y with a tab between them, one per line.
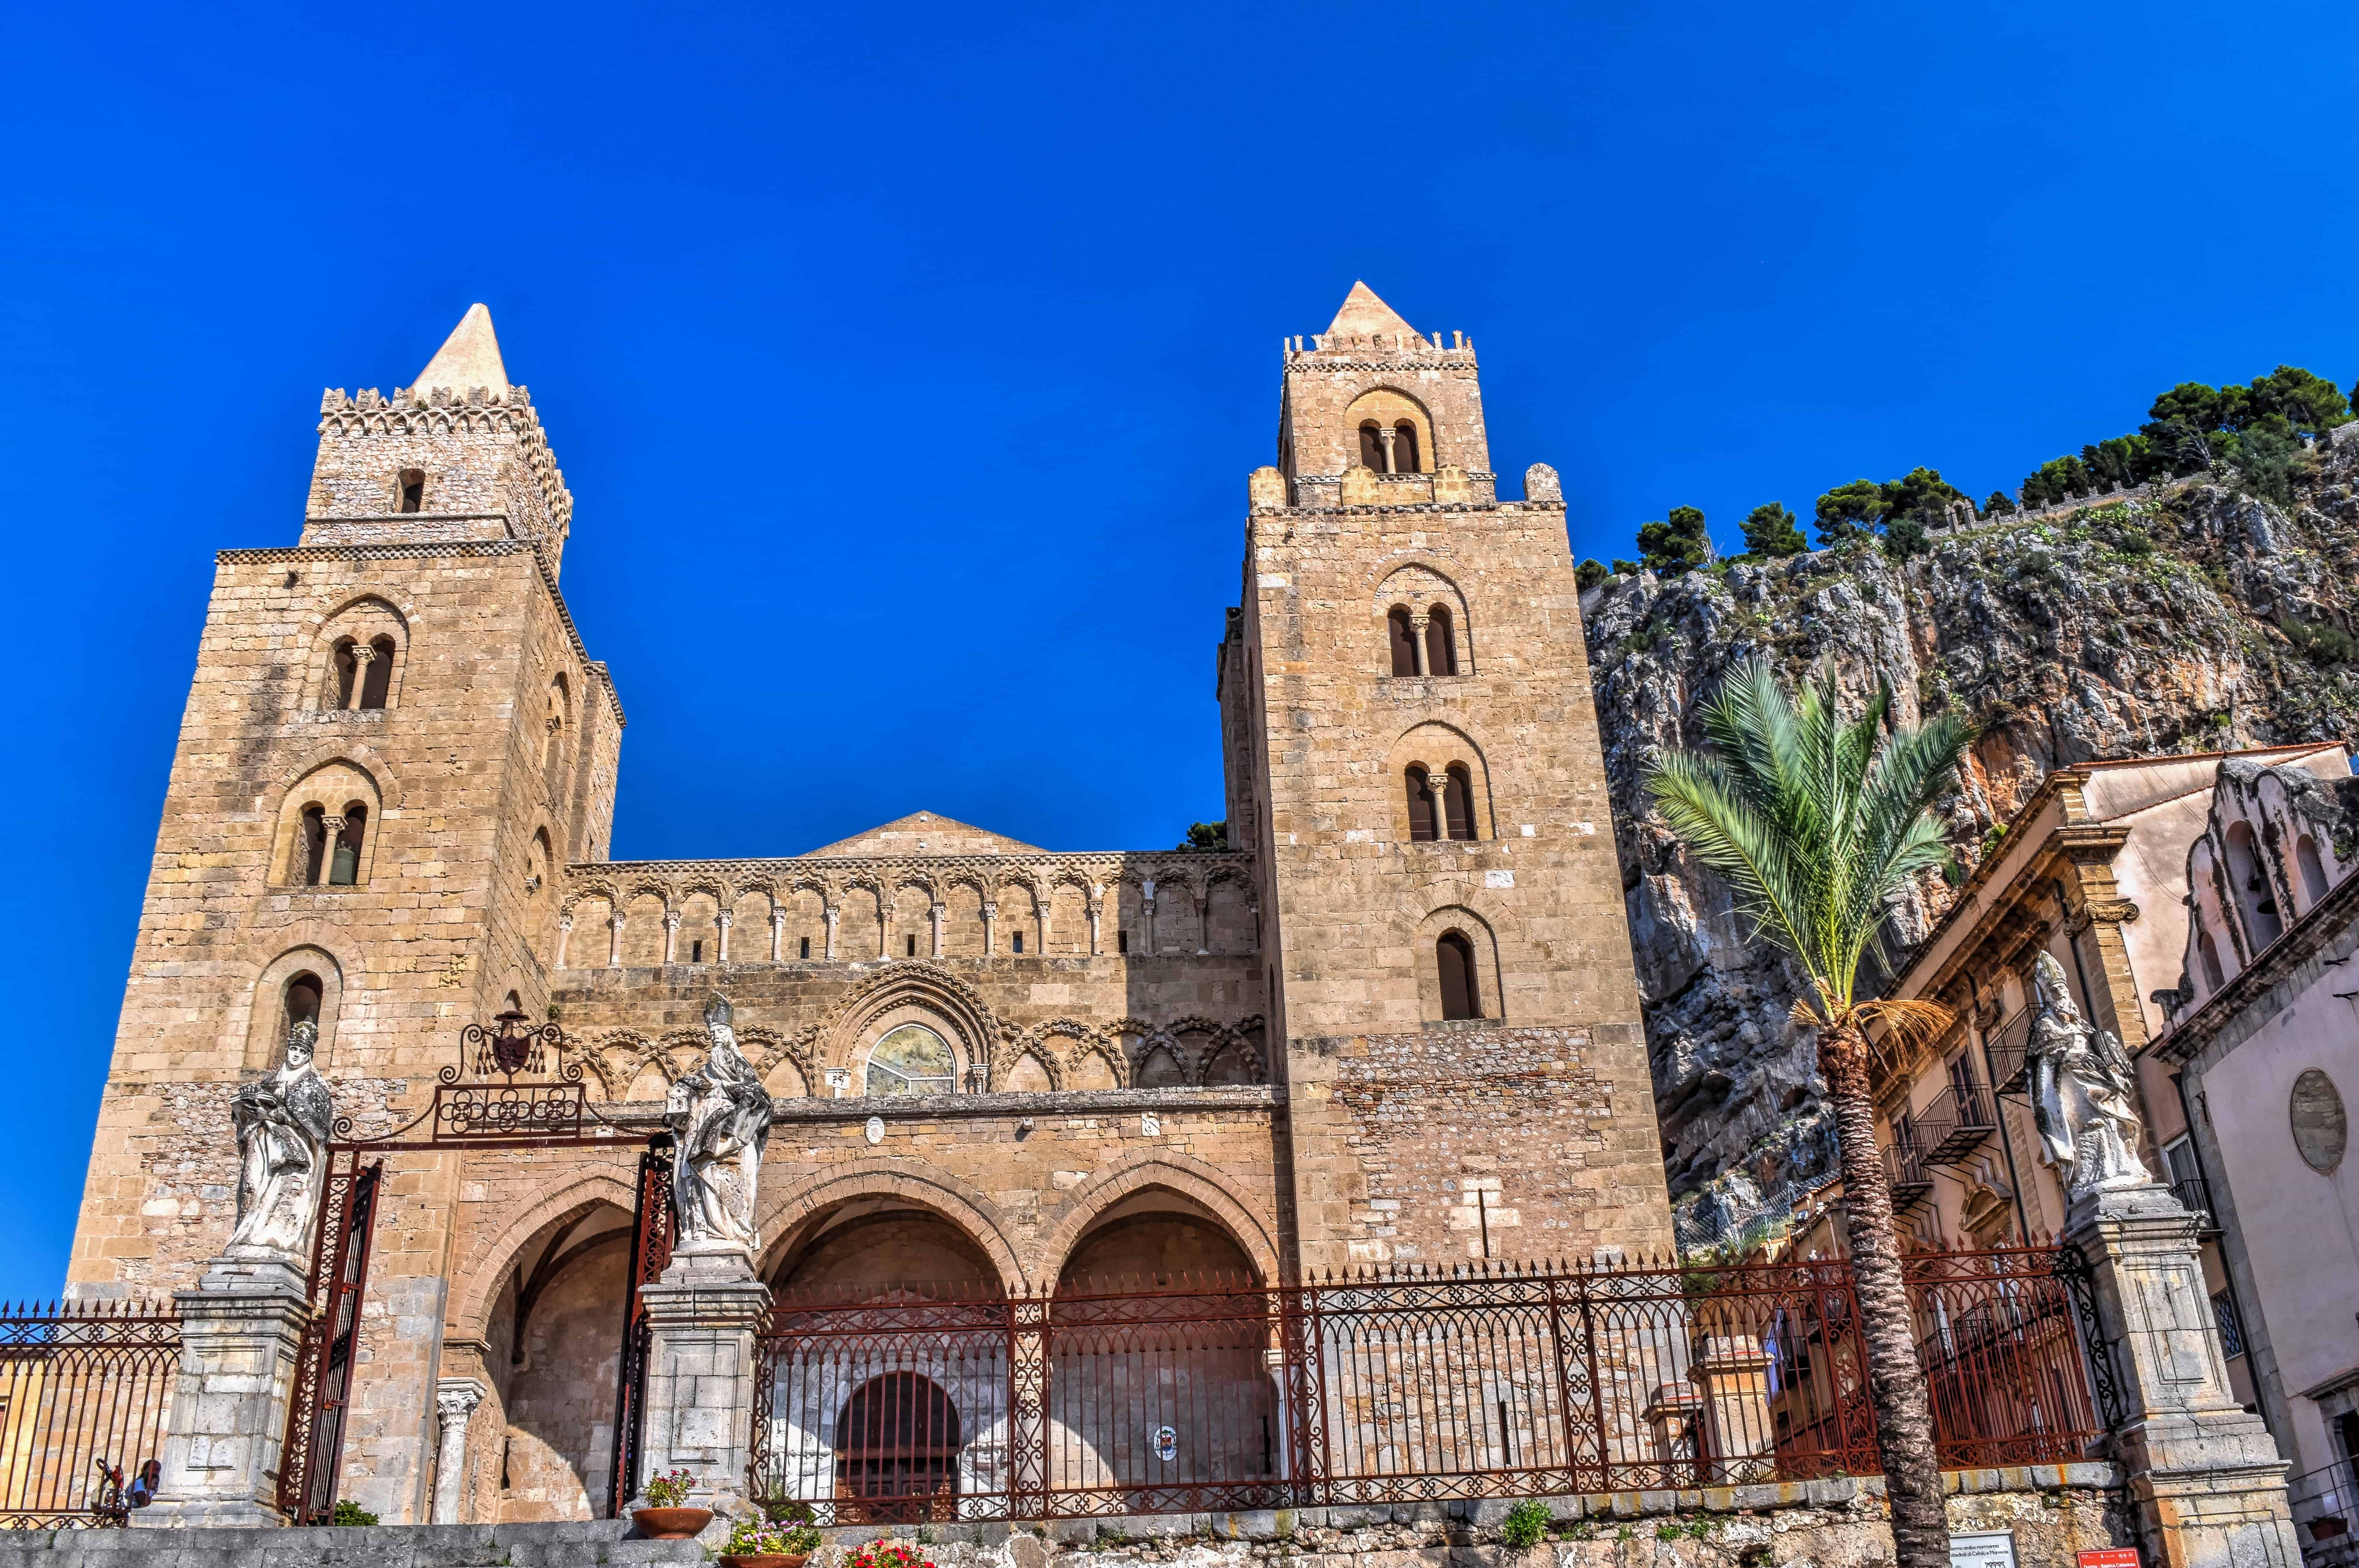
470	356
1363	316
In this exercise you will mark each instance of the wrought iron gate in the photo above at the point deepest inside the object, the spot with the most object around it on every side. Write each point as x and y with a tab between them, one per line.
307	1460
651	1233
511	1087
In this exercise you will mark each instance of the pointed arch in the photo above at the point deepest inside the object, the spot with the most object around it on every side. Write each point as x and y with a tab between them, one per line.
1195	1179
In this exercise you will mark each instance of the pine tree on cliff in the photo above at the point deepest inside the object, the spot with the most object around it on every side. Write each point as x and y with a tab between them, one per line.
1816	824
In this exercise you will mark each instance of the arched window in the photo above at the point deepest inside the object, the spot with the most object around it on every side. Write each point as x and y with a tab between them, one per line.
1458	801
1455	958
912	1060
2208	952
1441	647
912	949
2313	872
1421	807
1372	446
299	1003
552	748
1405	457
806	949
1403	637
347	667
377	685
2250	884
410	491
312	846
345	861
1019	942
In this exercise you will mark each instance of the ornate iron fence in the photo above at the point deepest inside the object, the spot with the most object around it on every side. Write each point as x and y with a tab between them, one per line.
1395	1387
83	1391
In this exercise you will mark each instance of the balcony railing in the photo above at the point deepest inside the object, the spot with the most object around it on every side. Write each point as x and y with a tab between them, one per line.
1957	1122
2325	1515
1913	1185
2010	1053
2194	1195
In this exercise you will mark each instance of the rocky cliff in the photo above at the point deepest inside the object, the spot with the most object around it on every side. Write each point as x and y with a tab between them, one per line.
2194	618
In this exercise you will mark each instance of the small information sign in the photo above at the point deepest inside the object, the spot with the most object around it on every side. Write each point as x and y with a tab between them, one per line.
1986	1549
2110	1557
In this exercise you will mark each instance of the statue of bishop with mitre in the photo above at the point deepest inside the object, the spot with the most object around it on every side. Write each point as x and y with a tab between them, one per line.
720	1117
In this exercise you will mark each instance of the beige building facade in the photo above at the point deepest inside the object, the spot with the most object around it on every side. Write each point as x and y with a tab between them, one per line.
1395	1023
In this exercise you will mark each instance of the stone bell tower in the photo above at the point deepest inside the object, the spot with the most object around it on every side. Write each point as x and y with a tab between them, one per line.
1413	756
394	742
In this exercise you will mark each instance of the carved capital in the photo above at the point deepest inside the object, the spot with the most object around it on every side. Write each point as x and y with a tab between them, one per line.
2113	911
455	1399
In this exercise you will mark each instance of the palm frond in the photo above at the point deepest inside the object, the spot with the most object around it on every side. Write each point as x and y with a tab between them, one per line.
1816	822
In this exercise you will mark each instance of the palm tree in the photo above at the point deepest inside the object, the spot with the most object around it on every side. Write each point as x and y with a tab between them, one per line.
1817	824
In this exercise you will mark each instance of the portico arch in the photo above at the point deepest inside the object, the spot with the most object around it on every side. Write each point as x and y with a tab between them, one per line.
1197	1184
791	1218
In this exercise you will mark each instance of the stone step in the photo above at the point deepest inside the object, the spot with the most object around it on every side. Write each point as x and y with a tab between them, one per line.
588	1543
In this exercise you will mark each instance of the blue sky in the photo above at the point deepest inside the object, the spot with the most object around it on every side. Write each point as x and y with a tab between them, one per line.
906	362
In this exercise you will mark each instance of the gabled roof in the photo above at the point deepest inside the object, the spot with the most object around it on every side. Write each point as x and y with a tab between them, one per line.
927	833
1365	316
469	357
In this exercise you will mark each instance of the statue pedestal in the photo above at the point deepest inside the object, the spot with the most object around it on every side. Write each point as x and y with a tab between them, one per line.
701	1319
241	1330
2206	1478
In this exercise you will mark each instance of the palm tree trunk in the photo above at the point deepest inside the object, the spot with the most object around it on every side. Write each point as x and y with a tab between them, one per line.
1895	1379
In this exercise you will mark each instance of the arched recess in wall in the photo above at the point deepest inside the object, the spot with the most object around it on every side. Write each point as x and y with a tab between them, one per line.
2311	869
1421	768
1422	623
1386	417
2254	891
360	658
328	826
2214	943
1470	939
557	740
305	978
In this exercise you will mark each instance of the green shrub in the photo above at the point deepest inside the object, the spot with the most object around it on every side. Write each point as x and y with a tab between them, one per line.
350	1512
1525	1523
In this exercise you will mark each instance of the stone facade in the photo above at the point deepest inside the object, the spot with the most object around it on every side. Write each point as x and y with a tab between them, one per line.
995	1067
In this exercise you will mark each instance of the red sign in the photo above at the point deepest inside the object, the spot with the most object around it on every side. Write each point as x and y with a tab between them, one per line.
2111	1557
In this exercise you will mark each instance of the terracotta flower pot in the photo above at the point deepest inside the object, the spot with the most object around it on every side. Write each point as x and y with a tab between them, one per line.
670	1524
763	1559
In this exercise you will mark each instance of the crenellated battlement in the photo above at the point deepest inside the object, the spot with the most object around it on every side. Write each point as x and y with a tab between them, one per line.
443	412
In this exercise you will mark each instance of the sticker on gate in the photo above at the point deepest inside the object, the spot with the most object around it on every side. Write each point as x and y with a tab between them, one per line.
1166	1444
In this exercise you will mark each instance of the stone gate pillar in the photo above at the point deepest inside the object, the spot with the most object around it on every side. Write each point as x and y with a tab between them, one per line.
241	1331
702	1316
2206	1478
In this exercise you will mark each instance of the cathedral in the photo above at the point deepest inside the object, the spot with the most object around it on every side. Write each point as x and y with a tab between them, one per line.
1394	1023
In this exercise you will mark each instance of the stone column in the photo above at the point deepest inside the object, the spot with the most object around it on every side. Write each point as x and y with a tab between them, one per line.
835	913
671	936
778	936
241	1331
1734	1373
564	931
1386	434
701	1319
1097	918
2205	1476
361	654
455	1399
1147	907
615	940
1418	621
935	914
723	921
990	929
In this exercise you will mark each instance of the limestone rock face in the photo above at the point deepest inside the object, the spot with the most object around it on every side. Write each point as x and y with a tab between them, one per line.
2197	619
